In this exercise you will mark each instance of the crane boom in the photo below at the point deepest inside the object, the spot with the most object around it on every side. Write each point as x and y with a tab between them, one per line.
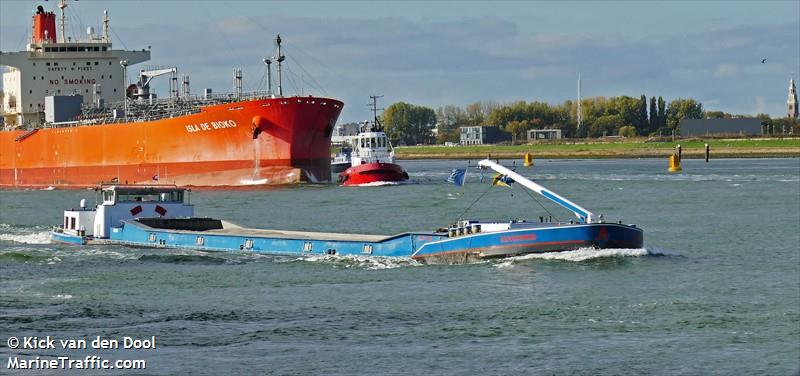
580	212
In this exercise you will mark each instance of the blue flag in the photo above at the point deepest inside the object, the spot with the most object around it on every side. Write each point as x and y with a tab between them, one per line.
457	176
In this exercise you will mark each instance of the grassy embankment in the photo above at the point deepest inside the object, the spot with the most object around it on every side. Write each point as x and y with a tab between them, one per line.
629	148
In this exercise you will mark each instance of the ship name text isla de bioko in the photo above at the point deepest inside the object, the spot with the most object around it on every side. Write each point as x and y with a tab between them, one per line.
70	121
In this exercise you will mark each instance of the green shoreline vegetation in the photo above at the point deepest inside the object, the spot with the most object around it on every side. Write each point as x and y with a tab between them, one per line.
597	127
627	148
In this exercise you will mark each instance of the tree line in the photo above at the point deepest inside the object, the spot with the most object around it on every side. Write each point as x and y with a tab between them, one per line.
408	124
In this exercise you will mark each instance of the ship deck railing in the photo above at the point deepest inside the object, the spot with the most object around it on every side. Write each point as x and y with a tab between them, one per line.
144	110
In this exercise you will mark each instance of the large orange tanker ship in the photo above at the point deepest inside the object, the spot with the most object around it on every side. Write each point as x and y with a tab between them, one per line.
237	139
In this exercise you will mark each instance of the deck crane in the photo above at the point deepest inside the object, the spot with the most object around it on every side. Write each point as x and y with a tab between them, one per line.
147	75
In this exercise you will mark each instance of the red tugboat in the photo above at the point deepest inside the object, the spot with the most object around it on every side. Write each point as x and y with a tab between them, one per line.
372	158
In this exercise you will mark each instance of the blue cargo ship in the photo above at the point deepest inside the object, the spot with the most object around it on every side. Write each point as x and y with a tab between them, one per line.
163	217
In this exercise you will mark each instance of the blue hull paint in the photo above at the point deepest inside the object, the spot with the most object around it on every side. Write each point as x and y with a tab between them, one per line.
430	247
67	238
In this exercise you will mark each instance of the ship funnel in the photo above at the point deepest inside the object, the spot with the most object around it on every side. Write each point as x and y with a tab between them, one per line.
44	26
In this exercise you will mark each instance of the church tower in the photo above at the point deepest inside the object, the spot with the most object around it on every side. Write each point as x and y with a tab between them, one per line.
792	102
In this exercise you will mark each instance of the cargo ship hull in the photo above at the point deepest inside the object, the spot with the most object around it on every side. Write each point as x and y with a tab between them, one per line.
246	143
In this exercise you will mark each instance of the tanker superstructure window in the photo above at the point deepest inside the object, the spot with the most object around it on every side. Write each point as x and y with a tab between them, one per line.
81	49
56	63
105	48
96	63
47	63
72	49
96	49
73	63
62	49
88	63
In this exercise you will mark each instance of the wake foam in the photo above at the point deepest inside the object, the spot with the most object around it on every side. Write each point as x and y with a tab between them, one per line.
583	254
361	262
25	235
378	184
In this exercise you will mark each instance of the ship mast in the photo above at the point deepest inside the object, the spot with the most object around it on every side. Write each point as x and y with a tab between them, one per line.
279	59
63	4
106	38
578	110
268	61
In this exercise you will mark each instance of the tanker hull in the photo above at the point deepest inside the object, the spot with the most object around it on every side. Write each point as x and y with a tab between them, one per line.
248	143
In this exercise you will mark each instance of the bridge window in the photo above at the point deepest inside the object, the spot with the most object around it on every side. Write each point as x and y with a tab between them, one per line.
62	49
105	49
56	63
73	63
97	49
47	63
81	48
96	63
72	49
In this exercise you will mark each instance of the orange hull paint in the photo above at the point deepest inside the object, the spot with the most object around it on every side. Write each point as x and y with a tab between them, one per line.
215	147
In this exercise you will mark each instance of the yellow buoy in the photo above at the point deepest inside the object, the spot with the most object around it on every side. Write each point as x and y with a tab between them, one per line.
528	160
674	163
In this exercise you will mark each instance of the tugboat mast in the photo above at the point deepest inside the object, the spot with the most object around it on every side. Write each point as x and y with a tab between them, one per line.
376	124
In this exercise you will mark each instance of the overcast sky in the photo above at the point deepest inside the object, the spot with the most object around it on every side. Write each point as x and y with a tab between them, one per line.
438	53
